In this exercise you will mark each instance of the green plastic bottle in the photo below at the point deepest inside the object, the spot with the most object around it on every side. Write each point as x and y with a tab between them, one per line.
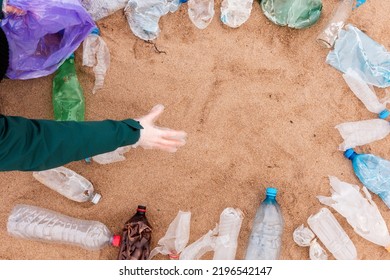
293	13
68	97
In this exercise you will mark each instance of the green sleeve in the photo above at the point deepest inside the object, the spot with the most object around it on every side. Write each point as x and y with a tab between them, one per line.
32	145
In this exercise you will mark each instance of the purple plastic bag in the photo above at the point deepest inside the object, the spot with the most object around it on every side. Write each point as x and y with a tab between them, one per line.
41	39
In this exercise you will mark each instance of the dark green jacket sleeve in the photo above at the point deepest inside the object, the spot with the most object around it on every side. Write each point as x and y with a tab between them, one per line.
32	145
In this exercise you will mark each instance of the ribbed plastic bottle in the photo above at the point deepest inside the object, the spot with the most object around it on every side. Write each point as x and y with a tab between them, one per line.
373	172
34	223
235	12
266	237
332	235
69	184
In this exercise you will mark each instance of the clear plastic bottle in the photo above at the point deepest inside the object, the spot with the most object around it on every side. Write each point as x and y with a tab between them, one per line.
332	235
266	237
96	55
228	231
340	15
99	9
235	12
34	223
373	172
201	12
68	183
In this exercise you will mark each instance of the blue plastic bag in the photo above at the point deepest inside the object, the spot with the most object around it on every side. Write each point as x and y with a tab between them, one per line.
42	38
355	50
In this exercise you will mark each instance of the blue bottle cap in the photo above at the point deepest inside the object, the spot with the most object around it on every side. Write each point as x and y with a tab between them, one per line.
384	114
183	1
95	31
349	153
271	192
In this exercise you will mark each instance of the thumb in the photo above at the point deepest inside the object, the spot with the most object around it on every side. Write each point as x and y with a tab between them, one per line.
155	113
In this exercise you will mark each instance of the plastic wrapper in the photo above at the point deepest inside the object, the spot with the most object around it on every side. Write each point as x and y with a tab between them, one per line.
143	16
111	157
354	49
201	12
41	39
201	246
293	13
362	132
176	237
228	231
235	12
99	9
96	55
304	237
361	212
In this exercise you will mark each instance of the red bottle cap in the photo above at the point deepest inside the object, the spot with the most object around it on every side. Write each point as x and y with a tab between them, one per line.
116	240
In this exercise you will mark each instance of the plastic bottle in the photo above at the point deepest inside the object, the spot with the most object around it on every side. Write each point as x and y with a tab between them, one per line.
136	237
340	15
373	172
266	237
96	55
40	224
99	9
228	231
68	183
332	235
143	16
68	97
201	12
235	12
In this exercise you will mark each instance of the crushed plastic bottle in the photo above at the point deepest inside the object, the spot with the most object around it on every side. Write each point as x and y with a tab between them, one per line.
96	55
265	240
361	212
69	184
340	16
68	98
332	235
373	172
34	223
111	157
205	244
235	12
293	13
143	16
176	237
201	12
99	9
136	237
354	49
228	231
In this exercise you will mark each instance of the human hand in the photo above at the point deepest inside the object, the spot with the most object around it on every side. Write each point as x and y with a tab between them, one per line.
153	137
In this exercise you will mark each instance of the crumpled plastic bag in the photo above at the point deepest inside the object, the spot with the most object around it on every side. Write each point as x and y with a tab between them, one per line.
354	49
41	39
201	246
361	212
176	237
111	157
293	13
304	237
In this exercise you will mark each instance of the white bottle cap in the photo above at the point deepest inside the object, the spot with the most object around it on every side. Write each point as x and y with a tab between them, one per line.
96	198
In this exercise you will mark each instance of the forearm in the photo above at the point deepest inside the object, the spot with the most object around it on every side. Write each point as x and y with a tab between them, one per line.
42	144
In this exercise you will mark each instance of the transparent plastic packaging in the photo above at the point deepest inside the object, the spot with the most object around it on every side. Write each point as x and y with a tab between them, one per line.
228	231
340	16
99	9
265	240
304	237
235	12
143	16
96	55
111	157
373	172
332	235
34	223
176	237
201	12
361	212
201	246
68	183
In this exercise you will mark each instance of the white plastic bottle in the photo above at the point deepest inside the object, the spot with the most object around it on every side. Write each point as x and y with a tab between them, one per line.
34	223
68	183
235	12
265	240
99	9
96	55
201	12
228	231
332	235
